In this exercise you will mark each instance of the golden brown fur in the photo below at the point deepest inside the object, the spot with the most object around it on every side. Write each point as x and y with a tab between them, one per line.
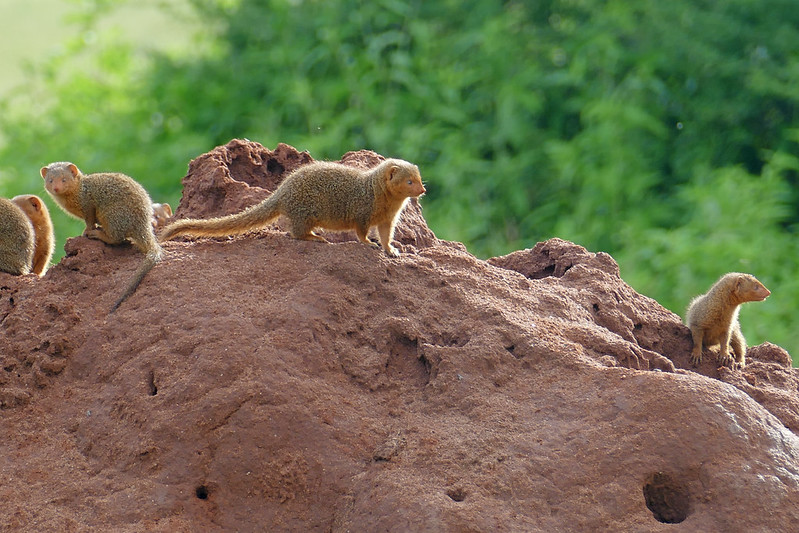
323	195
43	236
713	317
16	239
114	207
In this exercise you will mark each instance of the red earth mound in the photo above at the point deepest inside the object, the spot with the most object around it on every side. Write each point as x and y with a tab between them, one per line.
261	383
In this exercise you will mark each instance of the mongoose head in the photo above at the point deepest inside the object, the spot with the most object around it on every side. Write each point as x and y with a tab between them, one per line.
749	289
161	214
59	178
403	179
32	205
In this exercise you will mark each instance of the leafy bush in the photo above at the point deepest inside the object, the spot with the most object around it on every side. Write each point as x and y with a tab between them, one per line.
660	132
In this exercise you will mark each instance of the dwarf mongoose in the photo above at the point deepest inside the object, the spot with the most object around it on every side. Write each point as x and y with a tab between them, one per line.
16	239
114	207
713	317
161	215
43	236
323	195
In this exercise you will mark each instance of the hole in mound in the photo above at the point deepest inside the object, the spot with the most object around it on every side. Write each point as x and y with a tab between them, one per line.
456	495
201	492
667	498
152	388
545	272
596	308
275	167
405	364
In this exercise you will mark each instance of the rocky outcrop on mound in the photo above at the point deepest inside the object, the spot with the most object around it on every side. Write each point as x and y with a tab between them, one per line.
261	383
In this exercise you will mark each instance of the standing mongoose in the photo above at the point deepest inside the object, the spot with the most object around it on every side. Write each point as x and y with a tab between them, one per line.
162	213
713	317
16	239
43	236
325	195
114	207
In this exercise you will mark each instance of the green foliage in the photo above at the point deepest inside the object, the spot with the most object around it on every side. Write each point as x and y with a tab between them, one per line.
661	132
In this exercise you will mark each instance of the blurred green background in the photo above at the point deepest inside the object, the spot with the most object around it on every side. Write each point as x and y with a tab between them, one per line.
664	133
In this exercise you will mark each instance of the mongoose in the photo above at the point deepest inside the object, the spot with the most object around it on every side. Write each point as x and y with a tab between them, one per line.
43	236
713	317
16	239
325	195
114	207
161	215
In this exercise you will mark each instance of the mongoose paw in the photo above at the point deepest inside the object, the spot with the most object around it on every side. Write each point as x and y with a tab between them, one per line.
696	358
392	252
92	234
312	237
725	359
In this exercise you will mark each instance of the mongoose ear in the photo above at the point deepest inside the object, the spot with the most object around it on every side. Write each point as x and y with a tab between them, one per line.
35	202
168	210
43	172
73	169
392	171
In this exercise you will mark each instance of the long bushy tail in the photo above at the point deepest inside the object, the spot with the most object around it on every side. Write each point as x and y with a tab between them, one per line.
150	259
254	217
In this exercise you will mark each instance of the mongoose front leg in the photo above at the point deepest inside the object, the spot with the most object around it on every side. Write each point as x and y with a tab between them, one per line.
738	344
696	354
385	232
90	217
725	358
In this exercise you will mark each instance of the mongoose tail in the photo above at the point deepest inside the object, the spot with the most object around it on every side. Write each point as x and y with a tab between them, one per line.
252	218
150	259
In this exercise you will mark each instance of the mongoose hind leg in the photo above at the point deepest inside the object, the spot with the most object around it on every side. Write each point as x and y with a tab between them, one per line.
300	229
100	235
311	236
696	354
738	345
363	236
308	236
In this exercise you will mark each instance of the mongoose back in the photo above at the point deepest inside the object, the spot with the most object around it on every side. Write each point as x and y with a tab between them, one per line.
713	316
162	213
43	236
114	208
16	239
323	195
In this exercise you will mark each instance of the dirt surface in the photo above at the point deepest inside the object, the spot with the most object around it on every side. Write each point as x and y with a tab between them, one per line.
261	383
